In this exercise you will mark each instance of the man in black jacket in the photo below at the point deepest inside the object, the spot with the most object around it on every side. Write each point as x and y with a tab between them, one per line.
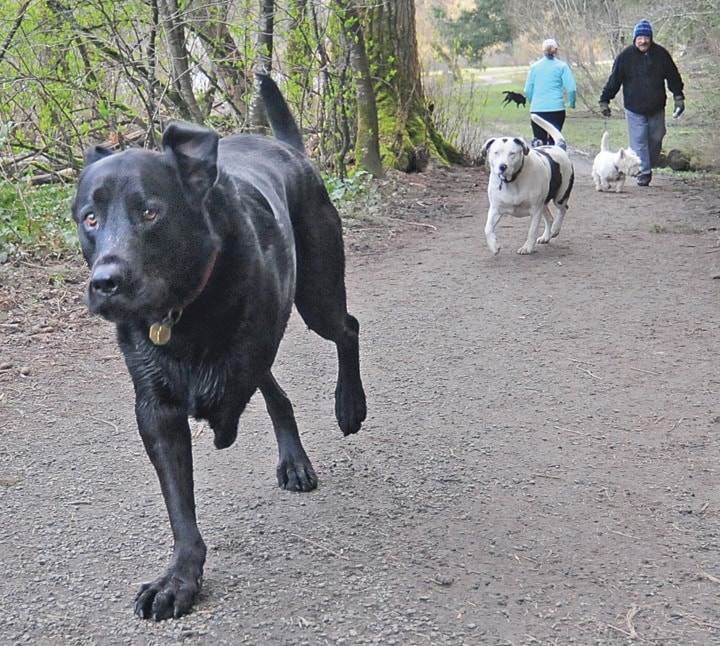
642	69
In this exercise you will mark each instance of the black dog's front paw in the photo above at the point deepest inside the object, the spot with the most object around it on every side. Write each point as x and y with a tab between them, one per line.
296	475
168	596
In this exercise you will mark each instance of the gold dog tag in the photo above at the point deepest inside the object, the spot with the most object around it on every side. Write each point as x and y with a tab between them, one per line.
160	333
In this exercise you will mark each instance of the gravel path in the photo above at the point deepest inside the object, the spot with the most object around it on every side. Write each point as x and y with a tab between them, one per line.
539	464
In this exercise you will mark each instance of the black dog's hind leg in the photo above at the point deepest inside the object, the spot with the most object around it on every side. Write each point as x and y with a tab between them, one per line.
294	471
331	321
166	435
321	300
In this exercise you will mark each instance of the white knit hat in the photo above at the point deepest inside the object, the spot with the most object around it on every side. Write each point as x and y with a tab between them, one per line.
549	42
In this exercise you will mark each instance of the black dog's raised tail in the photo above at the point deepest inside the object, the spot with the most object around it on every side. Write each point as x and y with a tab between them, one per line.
281	120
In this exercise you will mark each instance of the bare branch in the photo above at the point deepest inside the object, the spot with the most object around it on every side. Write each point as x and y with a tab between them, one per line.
13	30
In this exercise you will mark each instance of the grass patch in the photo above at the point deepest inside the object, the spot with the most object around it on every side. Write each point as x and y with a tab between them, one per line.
470	111
475	104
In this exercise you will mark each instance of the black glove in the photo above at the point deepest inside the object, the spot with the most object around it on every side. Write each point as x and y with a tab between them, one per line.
679	106
604	109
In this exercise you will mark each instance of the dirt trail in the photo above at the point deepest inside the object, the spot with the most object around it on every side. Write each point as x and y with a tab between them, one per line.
539	465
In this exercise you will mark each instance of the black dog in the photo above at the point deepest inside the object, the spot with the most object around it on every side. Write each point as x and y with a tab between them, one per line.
197	255
516	97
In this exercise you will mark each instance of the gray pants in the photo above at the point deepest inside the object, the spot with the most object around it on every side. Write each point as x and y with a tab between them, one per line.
645	134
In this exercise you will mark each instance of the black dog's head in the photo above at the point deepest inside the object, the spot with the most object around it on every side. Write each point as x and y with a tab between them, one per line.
143	228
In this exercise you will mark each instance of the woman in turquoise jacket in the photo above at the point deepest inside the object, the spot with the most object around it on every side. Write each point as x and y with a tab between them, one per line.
544	89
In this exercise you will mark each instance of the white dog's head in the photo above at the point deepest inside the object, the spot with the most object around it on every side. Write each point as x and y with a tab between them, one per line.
505	156
628	162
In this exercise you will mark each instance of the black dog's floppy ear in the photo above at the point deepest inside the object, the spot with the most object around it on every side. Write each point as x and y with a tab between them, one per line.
95	154
195	151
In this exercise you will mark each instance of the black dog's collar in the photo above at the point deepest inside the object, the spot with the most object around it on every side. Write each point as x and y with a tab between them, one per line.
161	331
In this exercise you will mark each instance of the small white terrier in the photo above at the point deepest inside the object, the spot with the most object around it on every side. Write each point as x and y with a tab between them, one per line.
610	170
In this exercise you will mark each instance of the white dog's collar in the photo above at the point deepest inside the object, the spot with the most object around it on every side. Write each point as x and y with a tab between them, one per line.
514	175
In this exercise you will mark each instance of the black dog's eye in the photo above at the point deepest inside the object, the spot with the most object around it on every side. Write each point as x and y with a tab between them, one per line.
91	221
149	215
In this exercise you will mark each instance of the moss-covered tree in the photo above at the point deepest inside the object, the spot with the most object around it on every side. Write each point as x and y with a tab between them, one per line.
408	137
367	146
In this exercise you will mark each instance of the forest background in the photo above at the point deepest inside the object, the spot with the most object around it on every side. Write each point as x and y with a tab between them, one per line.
376	85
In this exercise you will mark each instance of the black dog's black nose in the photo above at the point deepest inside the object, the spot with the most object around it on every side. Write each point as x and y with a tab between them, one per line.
107	279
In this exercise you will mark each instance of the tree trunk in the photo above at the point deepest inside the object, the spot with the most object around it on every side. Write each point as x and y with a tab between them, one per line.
263	64
209	21
174	28
367	147
408	137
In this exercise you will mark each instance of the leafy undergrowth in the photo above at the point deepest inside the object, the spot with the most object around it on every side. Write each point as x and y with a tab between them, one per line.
35	221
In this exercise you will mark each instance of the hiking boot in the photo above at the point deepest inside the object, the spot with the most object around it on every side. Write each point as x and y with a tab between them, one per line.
644	180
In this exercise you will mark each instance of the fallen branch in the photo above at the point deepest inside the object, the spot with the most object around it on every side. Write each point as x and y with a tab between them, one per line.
55	177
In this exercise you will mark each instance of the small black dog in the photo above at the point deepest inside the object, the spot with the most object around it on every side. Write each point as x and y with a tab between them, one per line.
515	97
197	254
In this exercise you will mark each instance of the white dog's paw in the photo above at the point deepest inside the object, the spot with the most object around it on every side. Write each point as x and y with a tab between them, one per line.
525	250
543	239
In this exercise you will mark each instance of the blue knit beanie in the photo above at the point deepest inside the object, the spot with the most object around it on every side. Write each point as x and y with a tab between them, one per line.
643	28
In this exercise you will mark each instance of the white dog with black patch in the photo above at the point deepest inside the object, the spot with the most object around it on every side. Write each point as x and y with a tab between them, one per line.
610	170
524	181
